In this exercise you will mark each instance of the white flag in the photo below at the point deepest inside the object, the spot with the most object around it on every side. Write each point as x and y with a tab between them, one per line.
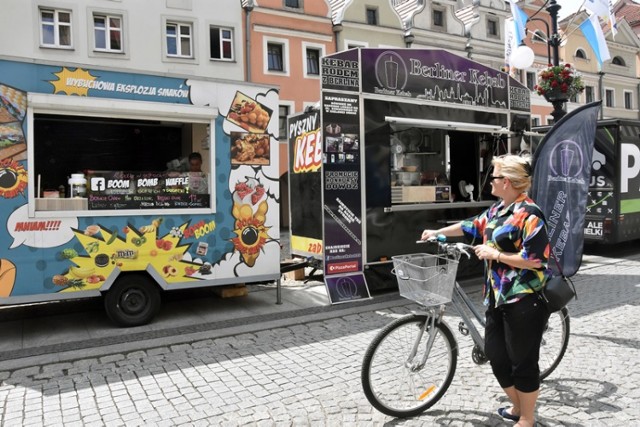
603	9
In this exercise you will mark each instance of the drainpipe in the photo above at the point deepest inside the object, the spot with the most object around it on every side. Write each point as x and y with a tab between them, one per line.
601	93
247	34
408	38
337	29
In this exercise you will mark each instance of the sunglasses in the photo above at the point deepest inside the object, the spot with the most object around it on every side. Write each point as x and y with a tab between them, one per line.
492	177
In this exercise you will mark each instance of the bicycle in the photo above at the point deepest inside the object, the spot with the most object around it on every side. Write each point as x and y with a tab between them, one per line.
411	362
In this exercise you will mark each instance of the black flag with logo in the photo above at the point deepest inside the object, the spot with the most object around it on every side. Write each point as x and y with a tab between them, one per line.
561	174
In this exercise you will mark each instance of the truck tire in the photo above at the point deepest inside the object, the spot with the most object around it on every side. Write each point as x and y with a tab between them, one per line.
133	300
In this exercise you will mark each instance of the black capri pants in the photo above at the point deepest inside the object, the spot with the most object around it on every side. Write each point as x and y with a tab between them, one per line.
513	335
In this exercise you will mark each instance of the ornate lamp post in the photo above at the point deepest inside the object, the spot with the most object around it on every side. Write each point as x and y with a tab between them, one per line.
523	58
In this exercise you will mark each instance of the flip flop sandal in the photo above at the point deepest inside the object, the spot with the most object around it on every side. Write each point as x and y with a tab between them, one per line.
504	413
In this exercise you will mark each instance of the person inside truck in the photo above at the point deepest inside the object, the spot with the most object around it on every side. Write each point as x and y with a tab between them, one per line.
513	242
197	179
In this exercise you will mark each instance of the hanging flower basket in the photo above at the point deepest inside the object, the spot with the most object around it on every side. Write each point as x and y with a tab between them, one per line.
559	83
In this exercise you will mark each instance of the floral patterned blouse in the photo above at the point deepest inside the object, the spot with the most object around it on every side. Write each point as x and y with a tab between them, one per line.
518	228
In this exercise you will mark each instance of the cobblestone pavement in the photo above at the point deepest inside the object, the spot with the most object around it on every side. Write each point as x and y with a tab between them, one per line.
309	374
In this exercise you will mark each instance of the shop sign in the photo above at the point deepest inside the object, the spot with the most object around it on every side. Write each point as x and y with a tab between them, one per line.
341	71
342	189
143	190
433	75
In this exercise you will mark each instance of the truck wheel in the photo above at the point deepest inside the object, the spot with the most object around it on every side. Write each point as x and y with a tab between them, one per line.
133	300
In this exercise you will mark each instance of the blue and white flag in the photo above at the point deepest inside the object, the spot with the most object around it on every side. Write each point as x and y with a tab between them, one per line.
520	21
561	175
603	9
593	33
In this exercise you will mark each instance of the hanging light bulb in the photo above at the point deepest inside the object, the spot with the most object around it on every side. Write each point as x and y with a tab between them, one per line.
522	57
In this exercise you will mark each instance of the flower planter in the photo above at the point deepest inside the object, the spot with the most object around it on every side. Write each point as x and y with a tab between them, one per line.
556	95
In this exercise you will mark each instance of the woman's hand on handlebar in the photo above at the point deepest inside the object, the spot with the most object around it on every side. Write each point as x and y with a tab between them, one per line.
486	252
429	234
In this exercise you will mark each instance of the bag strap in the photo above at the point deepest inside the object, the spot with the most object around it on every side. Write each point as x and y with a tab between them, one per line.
562	274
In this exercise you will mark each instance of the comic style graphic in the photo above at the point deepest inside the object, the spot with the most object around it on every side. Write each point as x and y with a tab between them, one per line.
144	220
250	148
13	178
13	108
249	114
249	210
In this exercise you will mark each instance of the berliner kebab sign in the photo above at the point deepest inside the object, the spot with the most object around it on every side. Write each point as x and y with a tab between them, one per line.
433	75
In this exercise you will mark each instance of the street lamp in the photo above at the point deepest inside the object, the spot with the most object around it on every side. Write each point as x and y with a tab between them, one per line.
523	56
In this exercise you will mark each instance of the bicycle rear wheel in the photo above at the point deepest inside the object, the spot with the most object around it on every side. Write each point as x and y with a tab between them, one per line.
555	340
399	387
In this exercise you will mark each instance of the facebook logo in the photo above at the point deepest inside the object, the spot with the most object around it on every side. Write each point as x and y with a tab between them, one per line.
98	184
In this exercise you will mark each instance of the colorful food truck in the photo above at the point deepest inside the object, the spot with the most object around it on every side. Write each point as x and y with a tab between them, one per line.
613	206
99	195
402	141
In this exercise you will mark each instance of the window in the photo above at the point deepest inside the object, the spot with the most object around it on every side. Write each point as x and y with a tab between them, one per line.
574	98
275	57
438	18
283	111
535	121
608	94
538	36
372	16
588	93
313	61
179	40
107	31
580	54
221	43
55	26
628	103
294	4
493	28
618	61
531	80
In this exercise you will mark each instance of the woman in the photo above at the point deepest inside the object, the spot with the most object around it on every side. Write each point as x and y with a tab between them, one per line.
515	248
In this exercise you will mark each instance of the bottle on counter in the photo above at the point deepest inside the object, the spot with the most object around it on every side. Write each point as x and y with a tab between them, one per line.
77	185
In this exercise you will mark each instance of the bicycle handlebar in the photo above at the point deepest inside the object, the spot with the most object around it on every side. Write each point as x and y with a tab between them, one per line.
456	249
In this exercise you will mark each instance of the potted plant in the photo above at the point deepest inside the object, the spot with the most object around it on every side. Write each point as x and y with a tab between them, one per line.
559	83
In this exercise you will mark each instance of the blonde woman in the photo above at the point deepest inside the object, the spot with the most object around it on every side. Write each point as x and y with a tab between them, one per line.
514	245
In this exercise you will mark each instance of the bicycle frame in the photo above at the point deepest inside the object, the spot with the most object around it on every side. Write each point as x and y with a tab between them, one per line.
461	302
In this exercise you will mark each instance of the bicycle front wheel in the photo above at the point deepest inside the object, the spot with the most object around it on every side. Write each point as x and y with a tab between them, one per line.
398	385
555	340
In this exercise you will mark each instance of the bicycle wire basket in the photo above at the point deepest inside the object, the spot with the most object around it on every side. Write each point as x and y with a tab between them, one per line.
427	279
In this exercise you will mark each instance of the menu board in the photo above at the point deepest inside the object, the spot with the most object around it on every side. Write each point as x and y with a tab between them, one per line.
147	190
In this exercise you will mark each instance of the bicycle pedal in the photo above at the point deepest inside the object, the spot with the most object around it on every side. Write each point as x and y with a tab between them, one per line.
463	329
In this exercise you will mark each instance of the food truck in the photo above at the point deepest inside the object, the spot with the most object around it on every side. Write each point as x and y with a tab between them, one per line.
613	204
405	139
96	194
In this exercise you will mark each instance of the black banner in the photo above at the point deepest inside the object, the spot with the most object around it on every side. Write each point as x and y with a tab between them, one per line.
561	175
342	184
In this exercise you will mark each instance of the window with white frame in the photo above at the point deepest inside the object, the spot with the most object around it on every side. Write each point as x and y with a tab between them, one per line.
55	28
221	43
107	31
538	36
588	94
580	54
628	100
531	80
372	15
276	56
312	55
283	111
609	98
493	27
437	19
535	121
179	37
293	4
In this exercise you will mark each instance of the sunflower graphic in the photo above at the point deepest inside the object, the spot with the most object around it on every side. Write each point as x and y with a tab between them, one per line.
249	210
13	178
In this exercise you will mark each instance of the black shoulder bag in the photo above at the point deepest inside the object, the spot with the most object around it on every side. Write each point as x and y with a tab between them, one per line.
556	293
